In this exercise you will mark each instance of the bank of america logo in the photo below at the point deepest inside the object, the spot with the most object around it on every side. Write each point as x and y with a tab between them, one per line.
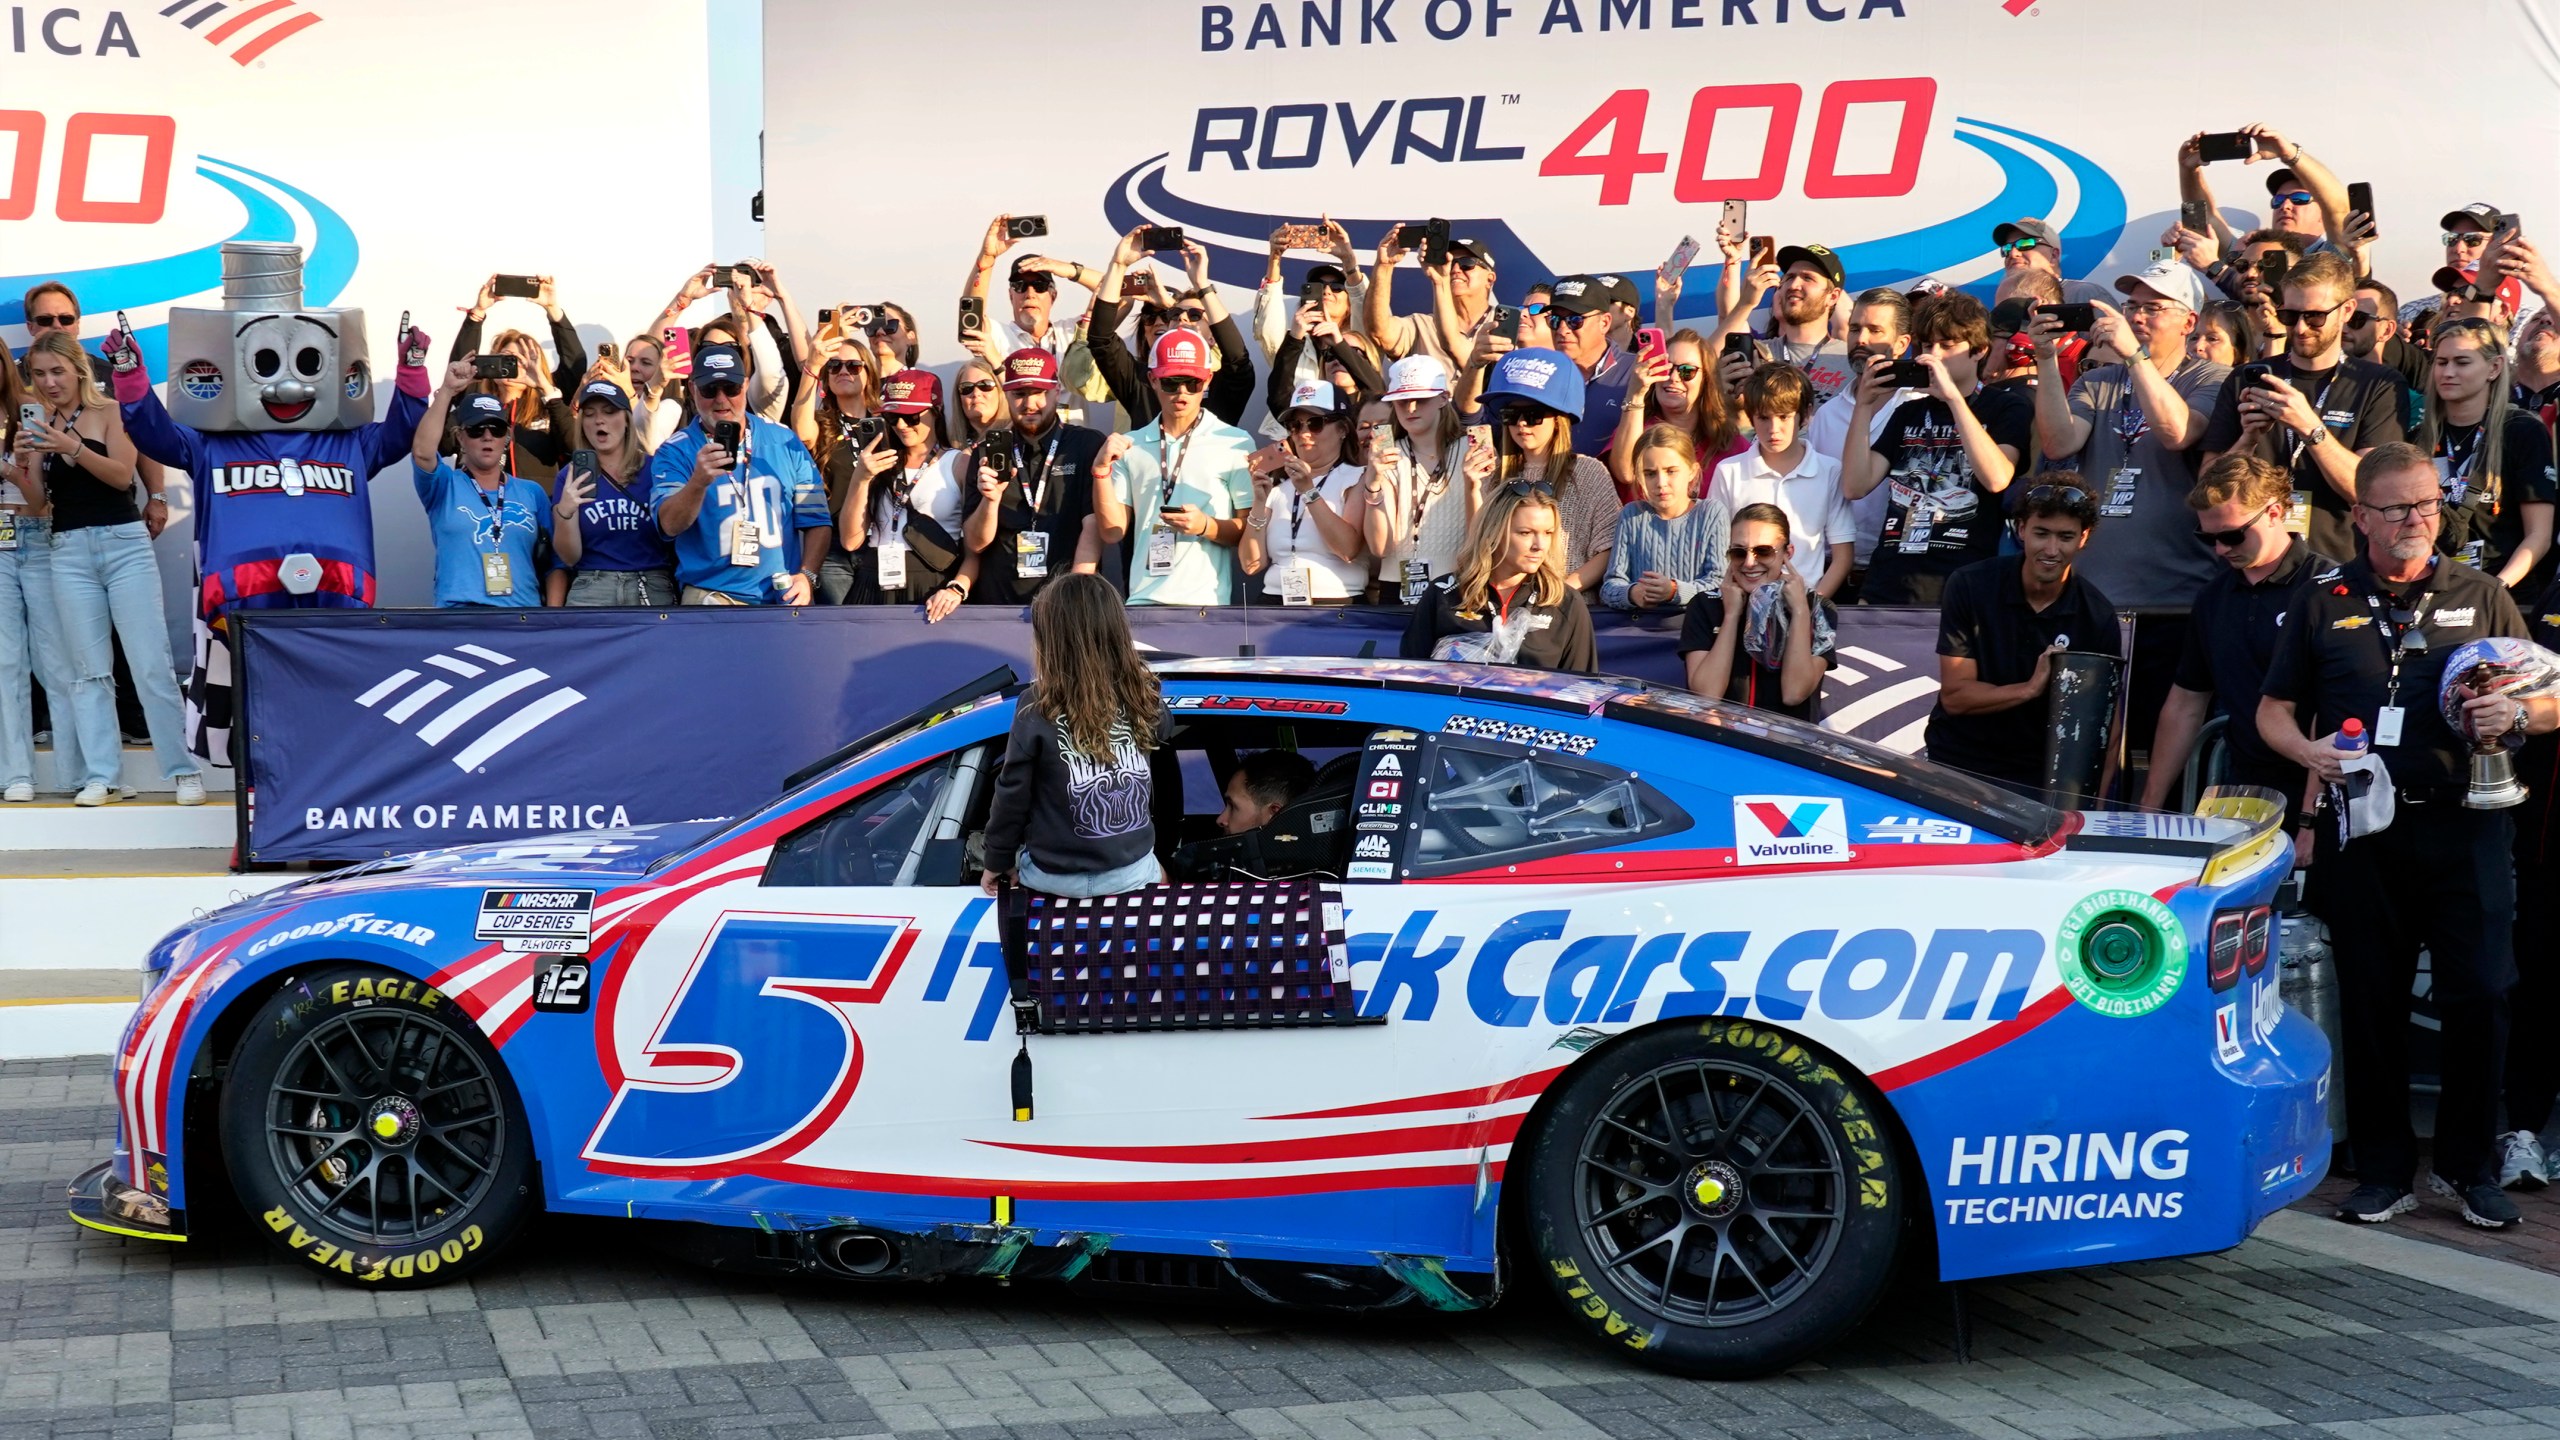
244	22
477	698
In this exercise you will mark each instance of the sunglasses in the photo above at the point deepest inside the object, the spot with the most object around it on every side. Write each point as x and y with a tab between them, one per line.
1468	262
1534	307
2022	243
1179	385
2360	319
1523	489
976	387
1527	415
2289	317
885	325
2467	239
844	367
717	387
917	419
1739	553
1567	320
2227	539
485	432
2071	500
1033	282
1687	372
1188	314
1308	424
2296	198
52	322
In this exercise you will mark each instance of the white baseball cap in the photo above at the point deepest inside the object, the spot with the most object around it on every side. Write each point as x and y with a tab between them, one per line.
2171	279
1416	376
1317	395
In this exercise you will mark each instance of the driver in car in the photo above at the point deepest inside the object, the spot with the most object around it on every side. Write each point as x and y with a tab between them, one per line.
1262	787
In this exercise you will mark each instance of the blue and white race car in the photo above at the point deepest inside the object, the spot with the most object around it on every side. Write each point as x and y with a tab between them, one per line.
1701	1015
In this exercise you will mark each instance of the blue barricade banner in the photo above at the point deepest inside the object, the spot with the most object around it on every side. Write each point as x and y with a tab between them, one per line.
377	732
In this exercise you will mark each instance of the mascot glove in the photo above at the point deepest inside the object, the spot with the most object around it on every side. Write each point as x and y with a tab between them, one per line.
132	381
412	378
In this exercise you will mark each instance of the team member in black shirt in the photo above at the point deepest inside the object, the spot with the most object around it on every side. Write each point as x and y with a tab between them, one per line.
2372	647
2313	411
2239	508
1721	664
1509	602
1028	516
2492	460
2003	621
1947	456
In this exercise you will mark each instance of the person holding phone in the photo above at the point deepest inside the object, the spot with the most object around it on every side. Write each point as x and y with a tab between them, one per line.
1676	388
1027	512
1809	282
2305	199
1200	309
1461	285
1178	487
901	516
1759	637
106	584
1509	601
1947	457
2031	243
601	525
978	405
491	528
1303	537
1581	311
1879	328
1345	296
543	429
1319	349
734	489
657	396
1534	396
32	642
1424	479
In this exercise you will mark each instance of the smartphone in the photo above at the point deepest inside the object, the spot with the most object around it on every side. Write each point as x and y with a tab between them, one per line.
2075	317
1435	242
1738	343
2272	267
585	462
1382	436
1411	237
1314	291
30	416
516	287
1026	227
994	453
494	367
827	315
859	317
1506	322
2508	220
1140	283
1764	250
1266	462
1737	217
865	430
1907	375
2250	374
973	316
1480	437
1647	344
1303	237
675	343
1681	255
2360	197
1160	237
724	433
2194	216
737	277
2225	145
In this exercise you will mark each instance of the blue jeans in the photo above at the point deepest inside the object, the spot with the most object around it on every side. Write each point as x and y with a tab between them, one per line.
1136	875
31	641
108	585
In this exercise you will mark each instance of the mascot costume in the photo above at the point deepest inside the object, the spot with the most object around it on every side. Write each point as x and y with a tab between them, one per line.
270	413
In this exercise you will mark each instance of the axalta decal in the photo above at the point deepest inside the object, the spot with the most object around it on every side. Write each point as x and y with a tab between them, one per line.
2044	1178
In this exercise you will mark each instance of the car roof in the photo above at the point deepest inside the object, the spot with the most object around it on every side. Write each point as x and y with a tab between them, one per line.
1432	676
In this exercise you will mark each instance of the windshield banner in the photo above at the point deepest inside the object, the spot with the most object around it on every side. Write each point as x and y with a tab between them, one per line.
405	730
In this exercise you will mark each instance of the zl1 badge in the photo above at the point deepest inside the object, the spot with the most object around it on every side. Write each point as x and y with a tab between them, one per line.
561	988
551	921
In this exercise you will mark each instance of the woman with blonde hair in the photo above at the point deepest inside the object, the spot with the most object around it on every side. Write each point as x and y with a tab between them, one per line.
106	584
2493	459
31	640
978	403
544	429
656	396
1535	396
1074	806
1509	602
836	416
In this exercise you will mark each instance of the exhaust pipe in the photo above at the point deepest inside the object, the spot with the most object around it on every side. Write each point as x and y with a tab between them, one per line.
860	1254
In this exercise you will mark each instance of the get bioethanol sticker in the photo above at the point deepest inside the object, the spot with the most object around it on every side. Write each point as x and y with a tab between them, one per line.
2140	954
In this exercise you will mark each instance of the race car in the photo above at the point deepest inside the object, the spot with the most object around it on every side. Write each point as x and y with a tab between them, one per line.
1704	1017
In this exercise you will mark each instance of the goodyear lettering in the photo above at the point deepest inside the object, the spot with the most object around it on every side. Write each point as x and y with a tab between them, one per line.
360	923
360	1266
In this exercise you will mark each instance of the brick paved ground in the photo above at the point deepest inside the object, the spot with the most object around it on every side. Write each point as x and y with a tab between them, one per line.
2309	1330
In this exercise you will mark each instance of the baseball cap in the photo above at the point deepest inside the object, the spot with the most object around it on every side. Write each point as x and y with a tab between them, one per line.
1327	274
1621	291
2172	279
1817	256
719	365
606	391
1316	395
1416	376
2281	179
2478	212
2010	316
2030	228
1031	368
1539	375
1578	295
1472	249
1178	353
2510	289
479	408
1031	279
910	392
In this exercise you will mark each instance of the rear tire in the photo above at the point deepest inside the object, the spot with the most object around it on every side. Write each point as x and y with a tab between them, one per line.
1720	1199
370	1130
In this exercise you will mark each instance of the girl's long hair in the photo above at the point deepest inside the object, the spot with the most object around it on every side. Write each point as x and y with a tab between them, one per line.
626	462
831	416
1491	536
61	345
2488	471
1710	426
1092	683
524	401
960	427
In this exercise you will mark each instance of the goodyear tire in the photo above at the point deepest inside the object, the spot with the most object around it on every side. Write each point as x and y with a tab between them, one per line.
370	1130
1720	1200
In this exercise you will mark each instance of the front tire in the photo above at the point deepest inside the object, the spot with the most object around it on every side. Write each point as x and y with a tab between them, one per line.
370	1130
1720	1199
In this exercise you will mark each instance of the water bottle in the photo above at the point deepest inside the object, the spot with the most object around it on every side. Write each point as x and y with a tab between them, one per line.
2357	783
2350	737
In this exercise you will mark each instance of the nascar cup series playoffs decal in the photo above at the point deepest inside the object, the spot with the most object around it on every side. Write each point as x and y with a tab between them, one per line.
554	921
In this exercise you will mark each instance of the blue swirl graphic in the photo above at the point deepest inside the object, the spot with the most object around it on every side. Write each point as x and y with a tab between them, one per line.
1140	196
329	262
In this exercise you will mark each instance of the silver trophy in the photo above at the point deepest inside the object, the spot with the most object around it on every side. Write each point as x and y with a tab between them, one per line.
2496	666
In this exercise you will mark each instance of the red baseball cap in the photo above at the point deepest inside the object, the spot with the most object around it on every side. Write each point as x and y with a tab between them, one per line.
910	392
2510	289
1031	369
1178	353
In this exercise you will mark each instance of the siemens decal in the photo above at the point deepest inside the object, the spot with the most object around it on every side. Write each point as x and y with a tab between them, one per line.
2059	1167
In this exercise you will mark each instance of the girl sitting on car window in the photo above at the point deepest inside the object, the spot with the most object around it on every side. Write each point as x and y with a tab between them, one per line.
1509	602
1074	803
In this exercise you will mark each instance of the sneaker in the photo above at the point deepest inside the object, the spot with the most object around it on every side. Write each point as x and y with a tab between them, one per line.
2521	1164
96	792
2488	1207
191	792
2373	1204
136	740
2438	1185
19	792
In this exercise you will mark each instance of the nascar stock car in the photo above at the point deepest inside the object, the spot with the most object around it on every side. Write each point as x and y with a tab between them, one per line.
1701	1015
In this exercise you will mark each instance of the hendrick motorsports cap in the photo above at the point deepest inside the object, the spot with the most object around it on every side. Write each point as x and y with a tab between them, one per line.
606	391
479	408
1031	369
719	365
1473	250
910	392
1416	377
1817	256
1541	376
2171	279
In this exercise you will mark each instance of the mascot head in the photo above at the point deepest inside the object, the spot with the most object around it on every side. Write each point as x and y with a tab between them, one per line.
264	361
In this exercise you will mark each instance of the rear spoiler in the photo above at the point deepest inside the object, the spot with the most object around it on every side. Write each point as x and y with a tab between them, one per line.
2234	830
2257	807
